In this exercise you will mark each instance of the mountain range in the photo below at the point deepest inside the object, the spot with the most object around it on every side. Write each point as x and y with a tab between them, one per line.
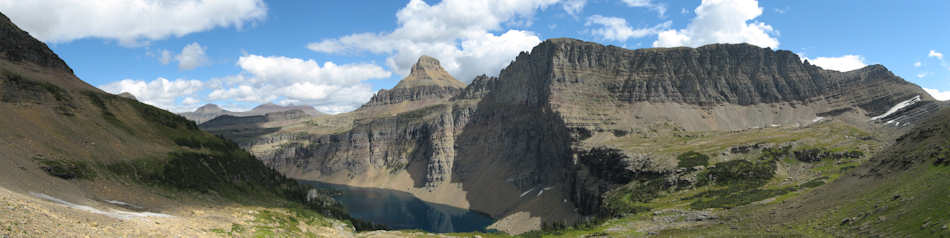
211	111
485	146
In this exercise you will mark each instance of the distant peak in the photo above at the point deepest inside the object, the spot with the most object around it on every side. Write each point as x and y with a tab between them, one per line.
266	105
428	71
209	108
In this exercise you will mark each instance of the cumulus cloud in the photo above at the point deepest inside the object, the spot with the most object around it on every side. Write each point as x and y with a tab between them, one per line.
658	7
937	94
131	22
842	63
617	29
922	75
722	21
160	92
191	57
917	64
329	87
465	35
935	54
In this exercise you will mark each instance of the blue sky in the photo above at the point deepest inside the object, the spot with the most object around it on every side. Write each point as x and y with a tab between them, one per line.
181	54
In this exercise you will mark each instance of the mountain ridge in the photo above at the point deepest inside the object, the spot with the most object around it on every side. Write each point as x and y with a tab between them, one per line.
211	111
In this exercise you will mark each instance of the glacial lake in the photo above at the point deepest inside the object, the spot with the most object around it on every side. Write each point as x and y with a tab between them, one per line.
400	210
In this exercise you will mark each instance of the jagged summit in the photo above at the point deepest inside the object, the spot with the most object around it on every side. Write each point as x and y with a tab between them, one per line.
18	46
428	71
427	83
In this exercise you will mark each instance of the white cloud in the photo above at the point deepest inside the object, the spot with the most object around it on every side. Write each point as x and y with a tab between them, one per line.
573	7
722	21
165	57
330	88
922	75
617	29
457	32
937	94
191	57
160	92
935	54
131	22
190	101
842	63
917	64
658	7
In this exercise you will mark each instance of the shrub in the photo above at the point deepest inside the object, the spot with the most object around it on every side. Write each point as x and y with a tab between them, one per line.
66	169
692	159
738	172
607	164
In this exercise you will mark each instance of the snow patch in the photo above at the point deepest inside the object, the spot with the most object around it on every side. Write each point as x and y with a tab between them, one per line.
898	107
122	215
817	119
526	192
121	203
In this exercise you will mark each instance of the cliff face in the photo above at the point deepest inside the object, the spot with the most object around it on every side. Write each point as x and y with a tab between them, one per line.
507	145
718	87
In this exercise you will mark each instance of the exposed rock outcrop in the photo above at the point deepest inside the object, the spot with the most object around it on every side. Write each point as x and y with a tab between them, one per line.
18	46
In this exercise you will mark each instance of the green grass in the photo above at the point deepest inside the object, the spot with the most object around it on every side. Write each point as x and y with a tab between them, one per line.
17	82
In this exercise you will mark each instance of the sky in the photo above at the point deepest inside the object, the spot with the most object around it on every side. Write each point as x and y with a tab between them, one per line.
334	55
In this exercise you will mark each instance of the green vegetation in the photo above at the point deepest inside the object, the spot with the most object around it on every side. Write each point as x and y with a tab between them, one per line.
18	89
692	159
66	169
819	154
814	182
99	100
16	82
738	173
607	164
734	196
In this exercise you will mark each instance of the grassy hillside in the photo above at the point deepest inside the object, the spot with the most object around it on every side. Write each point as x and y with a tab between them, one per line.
78	142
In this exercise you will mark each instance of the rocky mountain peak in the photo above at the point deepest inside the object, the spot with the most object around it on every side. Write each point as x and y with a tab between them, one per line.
209	108
18	46
429	72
